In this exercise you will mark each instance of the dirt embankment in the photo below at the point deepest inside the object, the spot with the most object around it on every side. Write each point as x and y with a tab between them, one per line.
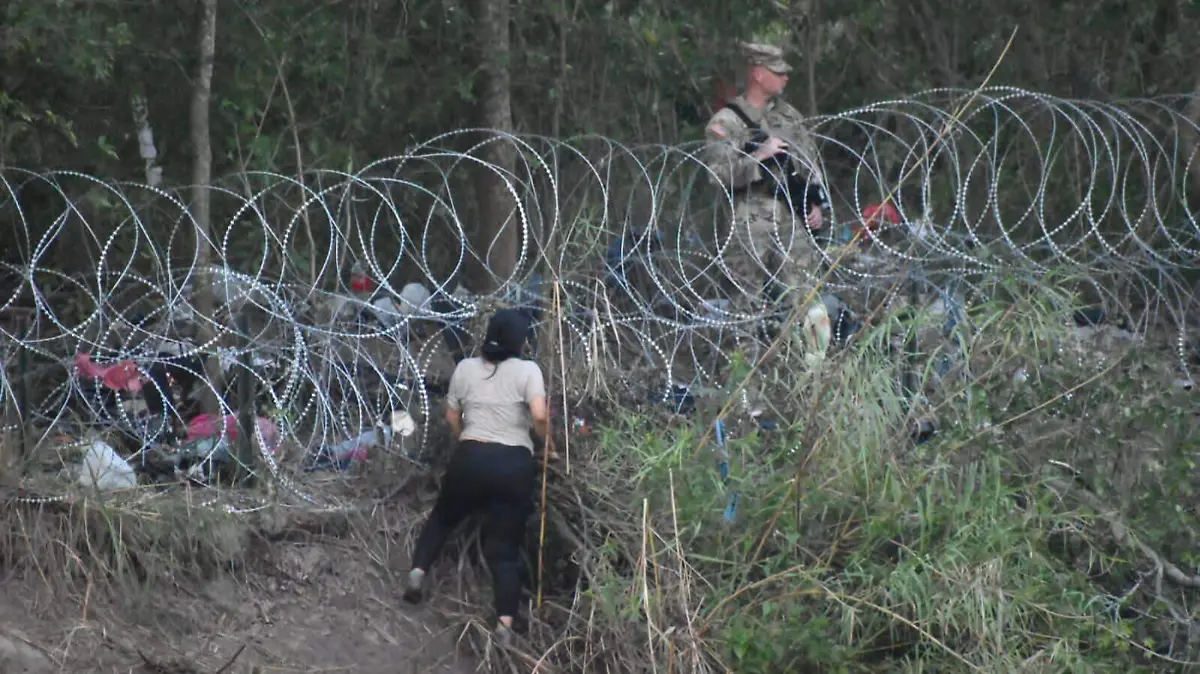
222	594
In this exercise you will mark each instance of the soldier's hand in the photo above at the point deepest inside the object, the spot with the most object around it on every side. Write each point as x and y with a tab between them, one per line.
815	217
773	146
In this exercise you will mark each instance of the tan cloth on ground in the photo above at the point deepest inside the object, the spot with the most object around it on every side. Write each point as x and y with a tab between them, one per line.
496	408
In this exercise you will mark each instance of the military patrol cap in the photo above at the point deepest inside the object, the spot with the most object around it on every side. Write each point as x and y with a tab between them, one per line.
766	55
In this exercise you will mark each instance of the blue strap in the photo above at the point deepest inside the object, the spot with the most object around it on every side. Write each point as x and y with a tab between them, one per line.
731	509
723	466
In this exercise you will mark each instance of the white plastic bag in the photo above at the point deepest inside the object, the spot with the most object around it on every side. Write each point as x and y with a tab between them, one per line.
104	469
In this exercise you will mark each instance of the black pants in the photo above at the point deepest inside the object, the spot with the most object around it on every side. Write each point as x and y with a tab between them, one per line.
499	480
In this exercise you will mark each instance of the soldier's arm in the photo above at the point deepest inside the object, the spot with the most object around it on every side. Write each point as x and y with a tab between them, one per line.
805	146
724	154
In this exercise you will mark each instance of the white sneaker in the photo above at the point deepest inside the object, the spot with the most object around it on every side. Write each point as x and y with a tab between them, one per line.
412	591
503	635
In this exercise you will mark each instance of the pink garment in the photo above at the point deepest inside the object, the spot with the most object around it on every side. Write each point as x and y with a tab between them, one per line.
205	426
123	376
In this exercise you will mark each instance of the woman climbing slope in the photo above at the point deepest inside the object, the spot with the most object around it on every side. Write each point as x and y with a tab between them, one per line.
493	402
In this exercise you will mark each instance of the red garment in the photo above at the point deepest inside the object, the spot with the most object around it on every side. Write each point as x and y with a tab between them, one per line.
123	376
889	212
205	426
872	216
361	283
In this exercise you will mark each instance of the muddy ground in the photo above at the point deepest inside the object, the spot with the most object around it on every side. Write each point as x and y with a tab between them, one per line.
312	603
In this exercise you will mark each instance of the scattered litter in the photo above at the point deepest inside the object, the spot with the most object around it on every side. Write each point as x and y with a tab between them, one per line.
414	297
205	426
229	359
580	426
134	406
387	312
122	376
104	469
359	281
403	424
677	396
431	387
924	430
345	454
198	459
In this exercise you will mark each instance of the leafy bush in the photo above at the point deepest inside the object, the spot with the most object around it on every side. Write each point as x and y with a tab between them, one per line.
995	546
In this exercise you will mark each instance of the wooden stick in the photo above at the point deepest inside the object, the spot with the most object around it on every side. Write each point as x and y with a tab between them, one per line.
546	447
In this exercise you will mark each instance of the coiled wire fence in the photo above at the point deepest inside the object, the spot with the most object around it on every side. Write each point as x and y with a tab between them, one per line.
338	297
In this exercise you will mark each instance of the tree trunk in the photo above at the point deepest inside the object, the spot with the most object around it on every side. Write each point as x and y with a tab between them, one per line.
201	201
499	229
812	48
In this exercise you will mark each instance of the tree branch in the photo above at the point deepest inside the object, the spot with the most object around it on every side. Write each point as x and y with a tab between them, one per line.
1124	537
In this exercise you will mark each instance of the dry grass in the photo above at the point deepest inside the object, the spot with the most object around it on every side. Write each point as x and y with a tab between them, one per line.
172	584
853	549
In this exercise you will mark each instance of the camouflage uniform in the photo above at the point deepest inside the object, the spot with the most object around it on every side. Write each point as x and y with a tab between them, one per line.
769	247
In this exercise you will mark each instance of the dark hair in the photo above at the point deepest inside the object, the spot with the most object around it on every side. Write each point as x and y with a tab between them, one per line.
506	334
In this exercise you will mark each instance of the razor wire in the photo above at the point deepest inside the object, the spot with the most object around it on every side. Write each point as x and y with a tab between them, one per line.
340	295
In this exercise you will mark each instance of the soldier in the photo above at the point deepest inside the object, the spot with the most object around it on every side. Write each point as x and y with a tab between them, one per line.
761	154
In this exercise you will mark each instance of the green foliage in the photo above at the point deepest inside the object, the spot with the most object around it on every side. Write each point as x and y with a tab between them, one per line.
854	550
361	76
47	55
80	45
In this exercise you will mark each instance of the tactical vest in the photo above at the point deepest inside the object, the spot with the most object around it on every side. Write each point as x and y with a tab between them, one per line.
793	189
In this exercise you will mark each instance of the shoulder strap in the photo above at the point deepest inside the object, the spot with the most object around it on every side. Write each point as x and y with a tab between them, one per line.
737	110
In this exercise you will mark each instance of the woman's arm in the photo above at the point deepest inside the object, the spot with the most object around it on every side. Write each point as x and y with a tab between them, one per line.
454	419
455	398
539	410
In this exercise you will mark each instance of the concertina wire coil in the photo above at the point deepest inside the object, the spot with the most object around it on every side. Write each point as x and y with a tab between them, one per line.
337	271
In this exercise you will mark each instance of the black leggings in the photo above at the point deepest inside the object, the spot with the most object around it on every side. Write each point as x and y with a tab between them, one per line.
499	479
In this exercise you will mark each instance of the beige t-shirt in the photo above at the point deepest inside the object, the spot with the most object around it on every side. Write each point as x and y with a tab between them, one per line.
496	408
